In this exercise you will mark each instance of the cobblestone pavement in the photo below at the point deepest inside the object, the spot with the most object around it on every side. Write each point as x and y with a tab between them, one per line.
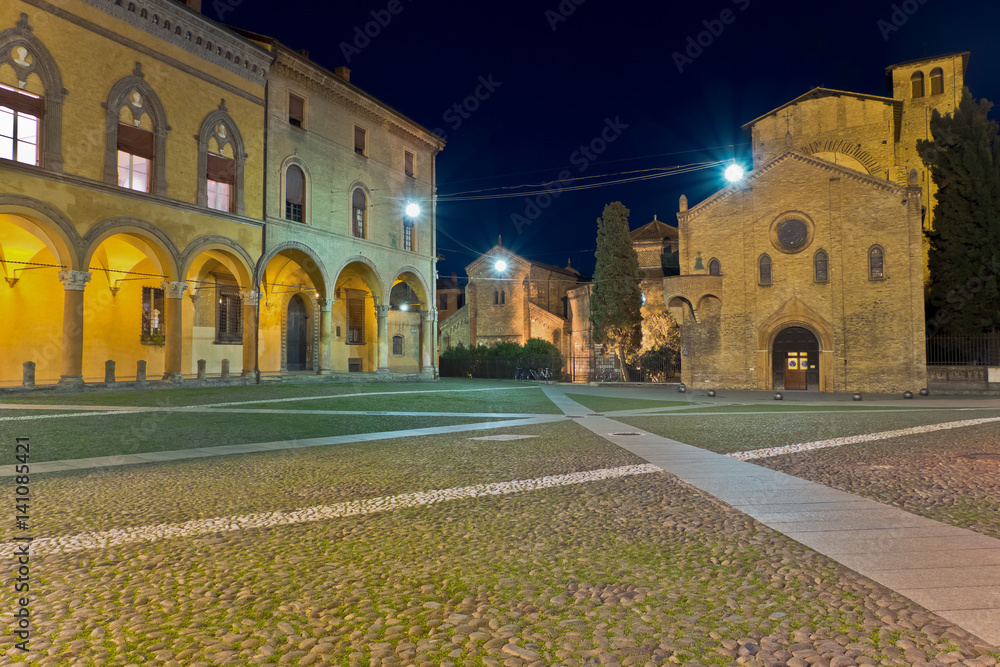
635	570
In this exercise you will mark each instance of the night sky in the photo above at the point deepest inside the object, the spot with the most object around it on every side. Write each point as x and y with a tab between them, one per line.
559	71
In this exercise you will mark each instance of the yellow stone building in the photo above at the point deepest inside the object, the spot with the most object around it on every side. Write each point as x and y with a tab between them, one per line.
139	221
810	272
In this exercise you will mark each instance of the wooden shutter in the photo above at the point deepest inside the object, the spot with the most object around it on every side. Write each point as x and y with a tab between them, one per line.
294	186
408	163
356	321
221	169
359	140
33	106
296	109
135	141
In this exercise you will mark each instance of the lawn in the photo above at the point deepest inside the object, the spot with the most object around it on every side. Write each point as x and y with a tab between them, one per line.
136	433
612	403
732	433
522	400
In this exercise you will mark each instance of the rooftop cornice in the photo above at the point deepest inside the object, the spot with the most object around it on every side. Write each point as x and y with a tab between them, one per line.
293	65
193	32
844	172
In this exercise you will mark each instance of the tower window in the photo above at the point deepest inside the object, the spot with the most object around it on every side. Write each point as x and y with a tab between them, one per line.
937	81
714	268
917	85
765	269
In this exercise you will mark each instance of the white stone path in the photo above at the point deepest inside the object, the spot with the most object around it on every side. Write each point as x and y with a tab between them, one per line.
951	571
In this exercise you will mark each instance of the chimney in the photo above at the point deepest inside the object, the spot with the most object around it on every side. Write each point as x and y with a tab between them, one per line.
344	73
193	4
304	53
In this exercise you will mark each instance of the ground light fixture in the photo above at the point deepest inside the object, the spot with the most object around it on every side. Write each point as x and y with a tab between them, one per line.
412	210
734	173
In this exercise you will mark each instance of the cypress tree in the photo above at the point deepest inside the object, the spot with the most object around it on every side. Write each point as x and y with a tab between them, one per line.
616	300
964	162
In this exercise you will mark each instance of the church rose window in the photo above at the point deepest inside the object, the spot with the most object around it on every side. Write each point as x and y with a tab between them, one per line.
792	235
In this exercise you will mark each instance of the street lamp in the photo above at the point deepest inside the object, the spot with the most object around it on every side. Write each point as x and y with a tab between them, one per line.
734	173
412	209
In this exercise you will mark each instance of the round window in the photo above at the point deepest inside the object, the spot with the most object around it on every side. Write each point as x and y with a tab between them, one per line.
793	234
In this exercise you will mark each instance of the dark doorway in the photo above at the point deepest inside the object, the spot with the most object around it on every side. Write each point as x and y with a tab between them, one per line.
795	359
296	331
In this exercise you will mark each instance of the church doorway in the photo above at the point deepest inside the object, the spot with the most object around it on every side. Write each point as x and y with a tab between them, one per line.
795	359
297	319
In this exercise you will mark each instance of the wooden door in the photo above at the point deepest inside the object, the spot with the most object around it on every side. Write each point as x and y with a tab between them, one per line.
796	366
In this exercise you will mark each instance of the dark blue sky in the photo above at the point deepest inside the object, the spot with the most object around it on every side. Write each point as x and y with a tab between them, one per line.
554	89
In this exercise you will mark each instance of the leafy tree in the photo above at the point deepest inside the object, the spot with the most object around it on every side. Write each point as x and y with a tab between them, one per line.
659	330
615	301
964	161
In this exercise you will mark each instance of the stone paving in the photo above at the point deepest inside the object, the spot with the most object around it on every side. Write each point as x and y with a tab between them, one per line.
717	587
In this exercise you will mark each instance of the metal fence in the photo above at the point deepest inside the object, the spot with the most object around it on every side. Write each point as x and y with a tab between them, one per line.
981	350
571	369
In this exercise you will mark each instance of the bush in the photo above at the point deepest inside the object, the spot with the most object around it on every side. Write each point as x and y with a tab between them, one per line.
500	360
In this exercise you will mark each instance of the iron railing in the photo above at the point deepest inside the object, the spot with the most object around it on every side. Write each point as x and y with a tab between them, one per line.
569	369
978	350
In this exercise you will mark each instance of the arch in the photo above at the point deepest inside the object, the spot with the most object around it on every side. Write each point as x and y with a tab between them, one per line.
764	266
714	267
838	148
681	310
296	319
404	274
232	138
241	258
307	259
917	84
710	304
44	65
795	359
360	225
821	266
160	244
876	263
843	160
937	81
118	98
295	189
57	227
376	284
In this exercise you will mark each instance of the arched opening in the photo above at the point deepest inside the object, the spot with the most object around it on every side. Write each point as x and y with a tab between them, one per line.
359	214
297	334
764	273
917	85
295	194
937	81
876	263
290	273
821	266
31	299
407	298
355	318
714	268
795	360
219	281
843	160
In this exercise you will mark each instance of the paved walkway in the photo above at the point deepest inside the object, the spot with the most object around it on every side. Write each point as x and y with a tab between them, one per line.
951	571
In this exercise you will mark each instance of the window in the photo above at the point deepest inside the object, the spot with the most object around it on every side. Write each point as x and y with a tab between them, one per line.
496	297
152	315
876	263
917	85
444	301
355	321
229	316
135	154
821	266
503	297
714	268
359	213
408	235
220	178
20	120
765	269
359	140
461	300
408	163
937	81
397	345
295	187
296	110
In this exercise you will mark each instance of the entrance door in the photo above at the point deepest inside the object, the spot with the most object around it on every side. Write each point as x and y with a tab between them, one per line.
296	334
795	360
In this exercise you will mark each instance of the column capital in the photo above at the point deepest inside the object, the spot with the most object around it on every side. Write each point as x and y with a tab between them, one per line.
173	289
325	305
382	309
250	297
74	280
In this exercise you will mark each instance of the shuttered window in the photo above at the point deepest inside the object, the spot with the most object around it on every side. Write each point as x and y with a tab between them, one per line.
229	316
408	163
359	140
296	110
355	321
397	345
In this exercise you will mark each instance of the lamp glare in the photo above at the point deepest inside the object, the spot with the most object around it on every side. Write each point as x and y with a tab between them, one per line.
500	265
412	210
734	172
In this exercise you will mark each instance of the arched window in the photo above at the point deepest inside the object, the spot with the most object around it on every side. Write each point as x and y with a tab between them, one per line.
408	235
30	114
397	345
917	85
220	163
359	213
876	263
821	266
765	269
937	81
496	297
136	130
714	268
295	194
503	297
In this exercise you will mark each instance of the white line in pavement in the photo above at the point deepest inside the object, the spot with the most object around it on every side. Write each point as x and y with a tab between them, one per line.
370	393
71	414
856	439
120	536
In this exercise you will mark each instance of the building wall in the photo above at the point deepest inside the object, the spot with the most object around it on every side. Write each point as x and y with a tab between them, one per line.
870	331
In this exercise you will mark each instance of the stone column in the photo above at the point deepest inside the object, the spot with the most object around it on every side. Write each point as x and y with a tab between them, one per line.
28	375
325	336
173	331
250	300
434	342
382	311
427	342
74	283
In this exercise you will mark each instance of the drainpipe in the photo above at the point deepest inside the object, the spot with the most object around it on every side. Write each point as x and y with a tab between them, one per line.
263	238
